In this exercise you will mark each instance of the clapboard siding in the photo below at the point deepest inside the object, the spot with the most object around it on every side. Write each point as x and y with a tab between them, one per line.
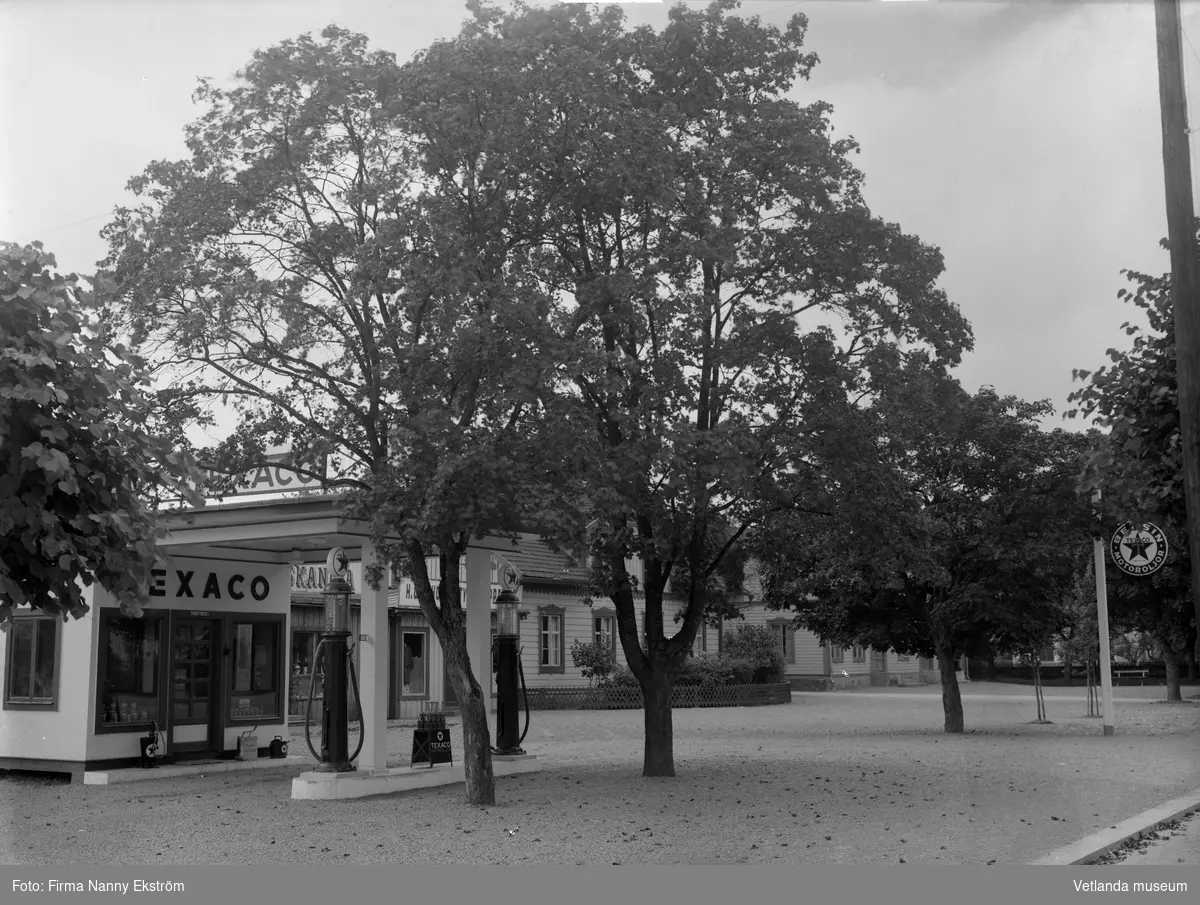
577	625
809	656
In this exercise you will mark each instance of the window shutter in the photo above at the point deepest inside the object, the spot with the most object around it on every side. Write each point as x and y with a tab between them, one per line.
790	644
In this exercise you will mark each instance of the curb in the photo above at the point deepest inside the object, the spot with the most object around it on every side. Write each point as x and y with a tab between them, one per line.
1085	851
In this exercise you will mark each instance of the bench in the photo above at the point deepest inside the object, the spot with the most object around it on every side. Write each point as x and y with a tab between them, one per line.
1130	673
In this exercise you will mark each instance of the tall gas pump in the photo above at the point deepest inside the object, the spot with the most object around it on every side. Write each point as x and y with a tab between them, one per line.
334	646
508	663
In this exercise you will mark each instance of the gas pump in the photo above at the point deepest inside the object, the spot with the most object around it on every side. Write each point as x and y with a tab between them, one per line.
507	664
335	648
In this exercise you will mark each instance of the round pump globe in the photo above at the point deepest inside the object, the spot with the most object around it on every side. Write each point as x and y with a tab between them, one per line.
508	615
337	606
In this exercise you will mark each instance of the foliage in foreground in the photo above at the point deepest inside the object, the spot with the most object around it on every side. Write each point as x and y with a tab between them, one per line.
79	473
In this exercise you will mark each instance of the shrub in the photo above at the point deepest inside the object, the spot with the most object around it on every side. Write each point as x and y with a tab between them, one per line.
742	671
706	669
594	661
756	644
623	676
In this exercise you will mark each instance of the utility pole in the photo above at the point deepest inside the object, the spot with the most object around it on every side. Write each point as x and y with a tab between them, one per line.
1185	263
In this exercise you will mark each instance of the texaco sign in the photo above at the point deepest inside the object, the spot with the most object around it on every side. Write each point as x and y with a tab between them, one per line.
1139	551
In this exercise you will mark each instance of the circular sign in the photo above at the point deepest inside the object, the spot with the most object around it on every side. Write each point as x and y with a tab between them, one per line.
1139	551
509	580
338	563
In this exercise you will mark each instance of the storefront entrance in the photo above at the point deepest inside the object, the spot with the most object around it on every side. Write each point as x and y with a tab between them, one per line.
195	676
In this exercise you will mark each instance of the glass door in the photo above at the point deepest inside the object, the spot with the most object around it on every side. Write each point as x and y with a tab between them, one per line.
194	644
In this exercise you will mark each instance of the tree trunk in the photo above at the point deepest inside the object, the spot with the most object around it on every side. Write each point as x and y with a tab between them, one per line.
477	742
1192	666
1067	670
1037	689
992	667
951	698
1171	659
659	758
450	628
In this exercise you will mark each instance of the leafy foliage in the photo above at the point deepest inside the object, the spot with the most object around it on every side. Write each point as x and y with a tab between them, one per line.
1158	605
301	266
80	474
1139	465
551	271
963	542
1080	635
595	660
757	645
702	230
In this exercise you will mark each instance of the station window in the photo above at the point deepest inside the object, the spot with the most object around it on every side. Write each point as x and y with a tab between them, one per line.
129	671
859	653
414	669
257	680
31	681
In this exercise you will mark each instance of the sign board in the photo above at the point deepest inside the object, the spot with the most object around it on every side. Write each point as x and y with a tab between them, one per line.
1138	550
274	477
312	577
431	746
509	575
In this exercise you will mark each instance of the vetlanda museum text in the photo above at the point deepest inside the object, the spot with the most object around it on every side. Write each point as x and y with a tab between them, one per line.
1122	886
97	886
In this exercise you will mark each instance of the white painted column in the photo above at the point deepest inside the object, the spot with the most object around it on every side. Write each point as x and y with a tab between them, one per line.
373	662
478	605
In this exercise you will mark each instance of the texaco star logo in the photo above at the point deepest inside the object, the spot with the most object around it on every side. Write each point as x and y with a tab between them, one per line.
1139	551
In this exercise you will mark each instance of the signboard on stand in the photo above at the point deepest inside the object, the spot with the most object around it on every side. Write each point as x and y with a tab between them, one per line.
431	746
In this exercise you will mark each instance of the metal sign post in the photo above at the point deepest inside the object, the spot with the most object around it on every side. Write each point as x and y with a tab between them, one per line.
1106	696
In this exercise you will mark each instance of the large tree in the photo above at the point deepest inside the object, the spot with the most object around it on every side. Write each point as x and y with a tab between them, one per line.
80	475
301	266
1138	464
961	541
702	231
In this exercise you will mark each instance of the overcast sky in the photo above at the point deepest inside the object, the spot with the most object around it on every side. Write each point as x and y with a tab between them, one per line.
1023	139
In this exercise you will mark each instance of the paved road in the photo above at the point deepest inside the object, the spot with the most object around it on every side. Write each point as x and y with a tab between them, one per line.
1178	846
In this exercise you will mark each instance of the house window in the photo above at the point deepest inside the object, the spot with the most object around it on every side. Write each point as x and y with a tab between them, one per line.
837	653
414	667
785	640
551	641
33	652
257	673
858	653
129	671
604	628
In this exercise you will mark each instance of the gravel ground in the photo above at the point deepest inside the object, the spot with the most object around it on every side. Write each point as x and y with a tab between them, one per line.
833	778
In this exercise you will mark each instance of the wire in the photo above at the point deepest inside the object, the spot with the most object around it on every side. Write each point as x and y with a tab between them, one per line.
42	232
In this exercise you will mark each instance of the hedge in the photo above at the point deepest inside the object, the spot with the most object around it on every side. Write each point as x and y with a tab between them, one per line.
624	697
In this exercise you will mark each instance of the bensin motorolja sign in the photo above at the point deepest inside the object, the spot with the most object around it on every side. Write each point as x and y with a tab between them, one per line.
1139	551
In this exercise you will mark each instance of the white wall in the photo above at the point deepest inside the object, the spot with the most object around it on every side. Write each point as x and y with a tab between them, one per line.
59	734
